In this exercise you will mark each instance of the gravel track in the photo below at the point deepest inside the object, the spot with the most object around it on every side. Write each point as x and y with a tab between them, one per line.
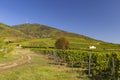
24	58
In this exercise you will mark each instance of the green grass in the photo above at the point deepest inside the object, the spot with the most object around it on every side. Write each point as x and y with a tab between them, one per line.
40	69
4	58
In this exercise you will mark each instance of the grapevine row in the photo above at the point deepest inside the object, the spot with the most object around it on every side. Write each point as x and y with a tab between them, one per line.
100	63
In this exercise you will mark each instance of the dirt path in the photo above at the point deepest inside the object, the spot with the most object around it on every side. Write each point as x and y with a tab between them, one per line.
24	58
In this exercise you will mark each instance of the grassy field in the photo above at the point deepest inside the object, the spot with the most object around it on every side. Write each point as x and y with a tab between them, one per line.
40	69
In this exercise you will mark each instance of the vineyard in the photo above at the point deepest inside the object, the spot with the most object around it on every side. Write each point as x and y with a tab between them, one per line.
94	63
102	63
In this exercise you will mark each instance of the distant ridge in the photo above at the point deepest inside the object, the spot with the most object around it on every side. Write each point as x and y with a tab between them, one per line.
41	31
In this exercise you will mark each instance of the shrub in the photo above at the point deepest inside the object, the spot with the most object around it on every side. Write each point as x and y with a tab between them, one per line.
62	43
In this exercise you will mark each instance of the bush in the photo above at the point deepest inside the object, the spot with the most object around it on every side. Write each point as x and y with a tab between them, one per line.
62	43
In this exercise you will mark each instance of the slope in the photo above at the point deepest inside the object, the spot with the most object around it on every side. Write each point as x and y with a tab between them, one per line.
7	33
47	35
42	31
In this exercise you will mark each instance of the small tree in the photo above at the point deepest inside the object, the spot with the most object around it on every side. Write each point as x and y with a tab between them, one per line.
62	43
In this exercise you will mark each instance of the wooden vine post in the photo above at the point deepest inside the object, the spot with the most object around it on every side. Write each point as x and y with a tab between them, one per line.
89	65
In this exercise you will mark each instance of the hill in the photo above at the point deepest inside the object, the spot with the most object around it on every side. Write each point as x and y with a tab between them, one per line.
8	33
43	31
47	35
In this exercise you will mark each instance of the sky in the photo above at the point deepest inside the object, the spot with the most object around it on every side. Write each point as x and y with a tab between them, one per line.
99	19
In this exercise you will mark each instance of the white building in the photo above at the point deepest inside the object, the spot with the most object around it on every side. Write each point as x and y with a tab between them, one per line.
92	47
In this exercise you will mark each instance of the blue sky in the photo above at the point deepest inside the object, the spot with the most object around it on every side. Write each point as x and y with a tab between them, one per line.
99	19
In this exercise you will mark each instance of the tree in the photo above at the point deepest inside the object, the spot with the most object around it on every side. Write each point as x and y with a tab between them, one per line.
62	43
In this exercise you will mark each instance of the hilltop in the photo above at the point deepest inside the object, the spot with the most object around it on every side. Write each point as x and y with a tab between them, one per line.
36	31
43	31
